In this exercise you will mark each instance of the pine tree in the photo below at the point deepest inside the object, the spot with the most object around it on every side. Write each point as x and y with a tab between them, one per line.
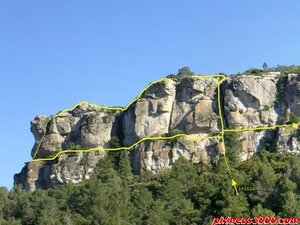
124	167
143	201
158	214
236	206
265	66
3	203
185	71
259	210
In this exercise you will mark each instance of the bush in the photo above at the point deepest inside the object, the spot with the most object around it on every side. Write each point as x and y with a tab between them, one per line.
172	76
254	71
294	118
185	71
266	107
280	90
288	69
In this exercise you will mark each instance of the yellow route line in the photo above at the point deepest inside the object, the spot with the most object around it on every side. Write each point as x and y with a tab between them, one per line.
187	136
125	148
109	108
233	182
272	127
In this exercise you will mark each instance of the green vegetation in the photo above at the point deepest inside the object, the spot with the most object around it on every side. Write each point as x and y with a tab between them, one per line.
114	142
265	66
172	76
298	134
284	70
266	107
254	71
186	194
294	118
185	71
233	147
287	69
280	90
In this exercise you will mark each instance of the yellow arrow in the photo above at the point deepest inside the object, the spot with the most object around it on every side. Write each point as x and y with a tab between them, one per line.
234	184
295	125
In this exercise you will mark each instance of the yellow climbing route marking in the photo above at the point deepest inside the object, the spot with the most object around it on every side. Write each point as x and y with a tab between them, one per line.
125	148
187	136
261	128
109	108
233	182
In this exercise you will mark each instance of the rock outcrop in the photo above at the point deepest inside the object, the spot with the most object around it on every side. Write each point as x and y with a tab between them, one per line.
183	105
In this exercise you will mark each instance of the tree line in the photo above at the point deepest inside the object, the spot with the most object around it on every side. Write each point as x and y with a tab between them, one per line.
268	184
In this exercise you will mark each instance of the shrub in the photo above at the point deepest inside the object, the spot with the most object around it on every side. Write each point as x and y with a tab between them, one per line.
172	76
280	91
294	118
185	71
266	107
254	71
288	69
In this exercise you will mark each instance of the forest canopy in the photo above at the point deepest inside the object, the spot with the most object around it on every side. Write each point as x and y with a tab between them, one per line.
186	194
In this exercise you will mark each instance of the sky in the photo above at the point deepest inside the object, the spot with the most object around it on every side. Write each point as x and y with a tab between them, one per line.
54	54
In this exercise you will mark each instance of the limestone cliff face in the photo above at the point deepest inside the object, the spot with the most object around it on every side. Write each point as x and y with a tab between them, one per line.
263	101
249	101
185	105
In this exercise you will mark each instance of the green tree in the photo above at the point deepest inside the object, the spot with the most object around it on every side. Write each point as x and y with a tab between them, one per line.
288	199
143	201
158	214
104	199
185	71
236	206
294	118
290	204
124	168
185	194
181	208
45	208
184	172
264	184
259	210
12	221
233	148
3	203
21	206
265	66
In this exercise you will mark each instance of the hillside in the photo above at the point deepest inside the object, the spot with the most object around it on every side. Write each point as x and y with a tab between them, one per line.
169	157
177	116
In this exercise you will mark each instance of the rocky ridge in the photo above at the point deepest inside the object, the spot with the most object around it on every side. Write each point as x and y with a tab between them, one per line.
186	105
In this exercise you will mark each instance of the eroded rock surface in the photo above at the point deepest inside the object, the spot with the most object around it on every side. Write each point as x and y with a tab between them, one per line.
172	106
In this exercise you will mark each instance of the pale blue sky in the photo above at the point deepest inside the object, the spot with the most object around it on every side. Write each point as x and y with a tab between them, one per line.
56	53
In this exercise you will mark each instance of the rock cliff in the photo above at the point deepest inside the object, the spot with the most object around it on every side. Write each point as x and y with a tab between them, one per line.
183	105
